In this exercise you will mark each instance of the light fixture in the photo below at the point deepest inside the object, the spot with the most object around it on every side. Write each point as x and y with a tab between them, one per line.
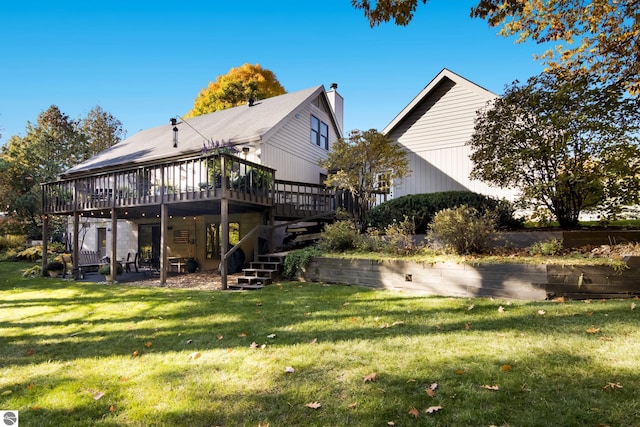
245	151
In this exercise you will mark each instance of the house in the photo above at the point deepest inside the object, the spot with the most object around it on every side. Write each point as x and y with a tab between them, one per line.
194	187
435	128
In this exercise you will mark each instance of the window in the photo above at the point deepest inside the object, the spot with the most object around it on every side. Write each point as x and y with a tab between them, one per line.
319	133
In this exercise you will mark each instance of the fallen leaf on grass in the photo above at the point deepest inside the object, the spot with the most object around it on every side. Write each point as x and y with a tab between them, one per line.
593	330
372	377
612	386
30	387
542	312
458	372
313	341
220	337
314	405
414	412
467	326
148	344
352	405
289	370
471	307
490	387
432	409
6	393
242	334
272	336
30	352
505	368
135	353
501	309
112	408
195	355
430	392
633	306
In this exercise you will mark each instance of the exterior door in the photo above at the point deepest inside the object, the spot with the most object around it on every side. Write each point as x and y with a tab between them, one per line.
102	242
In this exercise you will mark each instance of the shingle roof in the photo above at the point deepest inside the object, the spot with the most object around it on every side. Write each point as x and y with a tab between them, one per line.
236	125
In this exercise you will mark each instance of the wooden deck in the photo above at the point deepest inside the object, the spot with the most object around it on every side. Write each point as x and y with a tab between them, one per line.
188	186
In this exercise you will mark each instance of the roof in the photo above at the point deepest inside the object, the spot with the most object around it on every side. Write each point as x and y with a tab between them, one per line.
426	92
237	125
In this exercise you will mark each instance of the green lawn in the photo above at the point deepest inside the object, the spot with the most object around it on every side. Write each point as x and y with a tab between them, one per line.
80	354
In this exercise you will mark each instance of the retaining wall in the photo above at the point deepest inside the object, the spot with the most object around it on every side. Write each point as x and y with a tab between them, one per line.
516	281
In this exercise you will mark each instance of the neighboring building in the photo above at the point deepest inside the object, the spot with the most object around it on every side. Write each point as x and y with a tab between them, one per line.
435	128
174	190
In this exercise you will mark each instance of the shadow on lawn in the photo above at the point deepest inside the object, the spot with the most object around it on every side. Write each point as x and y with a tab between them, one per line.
540	398
105	320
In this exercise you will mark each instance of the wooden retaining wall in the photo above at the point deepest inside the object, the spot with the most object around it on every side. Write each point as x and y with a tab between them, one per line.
515	281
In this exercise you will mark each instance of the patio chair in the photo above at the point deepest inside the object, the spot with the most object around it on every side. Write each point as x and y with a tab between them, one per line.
129	262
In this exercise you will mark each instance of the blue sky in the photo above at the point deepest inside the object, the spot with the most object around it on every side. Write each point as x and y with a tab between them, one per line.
145	61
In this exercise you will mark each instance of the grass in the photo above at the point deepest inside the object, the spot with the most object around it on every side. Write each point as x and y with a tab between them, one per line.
80	354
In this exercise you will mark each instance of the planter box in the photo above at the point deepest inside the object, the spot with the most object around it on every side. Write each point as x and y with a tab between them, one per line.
517	281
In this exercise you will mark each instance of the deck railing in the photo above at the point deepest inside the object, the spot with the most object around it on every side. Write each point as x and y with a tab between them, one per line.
197	178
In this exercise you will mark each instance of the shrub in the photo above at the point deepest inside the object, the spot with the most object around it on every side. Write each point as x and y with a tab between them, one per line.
463	229
32	253
548	247
12	241
339	236
400	237
56	247
35	271
421	208
105	269
55	266
296	261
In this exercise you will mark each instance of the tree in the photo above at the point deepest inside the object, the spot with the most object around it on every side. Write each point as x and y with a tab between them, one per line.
235	88
568	145
357	164
52	145
101	129
590	36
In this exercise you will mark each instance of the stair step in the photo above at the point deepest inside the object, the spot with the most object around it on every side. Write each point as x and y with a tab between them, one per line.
271	258
266	265
252	280
245	286
258	272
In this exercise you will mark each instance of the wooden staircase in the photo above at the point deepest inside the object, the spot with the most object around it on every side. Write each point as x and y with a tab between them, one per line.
260	273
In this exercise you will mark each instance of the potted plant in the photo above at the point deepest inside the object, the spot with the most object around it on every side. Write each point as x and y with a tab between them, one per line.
191	265
55	268
105	270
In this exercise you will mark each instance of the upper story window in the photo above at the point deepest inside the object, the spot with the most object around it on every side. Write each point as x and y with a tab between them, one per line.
319	133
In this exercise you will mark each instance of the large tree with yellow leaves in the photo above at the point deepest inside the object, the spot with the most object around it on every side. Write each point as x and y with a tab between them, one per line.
591	37
235	88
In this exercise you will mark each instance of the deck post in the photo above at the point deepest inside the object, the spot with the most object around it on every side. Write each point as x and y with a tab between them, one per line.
114	244
164	222
75	271
45	243
224	219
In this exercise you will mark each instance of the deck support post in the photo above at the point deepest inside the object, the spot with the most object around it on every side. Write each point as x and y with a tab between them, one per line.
224	219
45	243
75	270
114	244
164	224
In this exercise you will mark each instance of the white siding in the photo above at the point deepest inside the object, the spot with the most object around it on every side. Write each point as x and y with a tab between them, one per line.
435	134
290	151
